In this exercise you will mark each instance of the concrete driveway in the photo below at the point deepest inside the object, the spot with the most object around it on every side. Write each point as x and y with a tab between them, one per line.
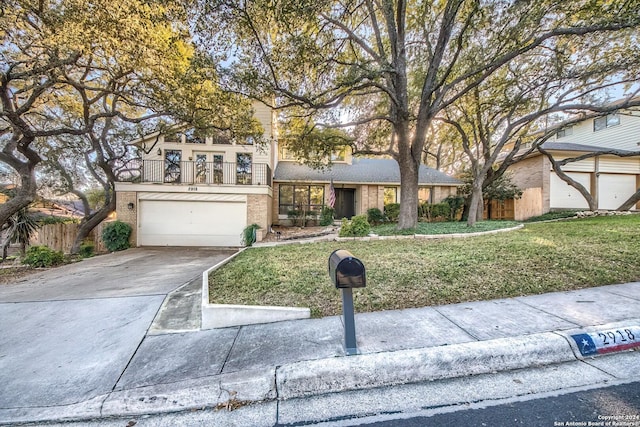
67	334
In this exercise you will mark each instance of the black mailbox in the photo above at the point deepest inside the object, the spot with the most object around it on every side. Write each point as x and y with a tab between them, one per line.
346	271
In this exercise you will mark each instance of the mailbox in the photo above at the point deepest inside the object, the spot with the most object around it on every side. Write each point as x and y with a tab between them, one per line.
346	271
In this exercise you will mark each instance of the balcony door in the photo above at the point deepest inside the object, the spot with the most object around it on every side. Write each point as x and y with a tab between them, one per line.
208	168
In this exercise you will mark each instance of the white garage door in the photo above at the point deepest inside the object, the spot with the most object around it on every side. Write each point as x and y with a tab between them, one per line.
614	189
564	196
191	223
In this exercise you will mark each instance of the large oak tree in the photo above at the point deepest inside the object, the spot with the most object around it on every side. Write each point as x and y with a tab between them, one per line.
383	70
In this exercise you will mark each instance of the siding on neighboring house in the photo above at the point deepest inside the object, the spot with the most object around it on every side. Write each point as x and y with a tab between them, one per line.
625	136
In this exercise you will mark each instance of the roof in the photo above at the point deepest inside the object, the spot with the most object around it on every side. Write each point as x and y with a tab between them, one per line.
569	146
362	170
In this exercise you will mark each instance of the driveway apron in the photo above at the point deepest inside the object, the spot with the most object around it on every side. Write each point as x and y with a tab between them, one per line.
67	334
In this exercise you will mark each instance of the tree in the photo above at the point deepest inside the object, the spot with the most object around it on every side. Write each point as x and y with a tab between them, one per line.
384	70
83	79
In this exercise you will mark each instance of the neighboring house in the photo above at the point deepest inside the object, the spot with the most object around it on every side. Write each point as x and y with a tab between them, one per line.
197	190
610	179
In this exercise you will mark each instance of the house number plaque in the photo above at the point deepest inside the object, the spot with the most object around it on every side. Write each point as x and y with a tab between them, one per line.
608	341
192	189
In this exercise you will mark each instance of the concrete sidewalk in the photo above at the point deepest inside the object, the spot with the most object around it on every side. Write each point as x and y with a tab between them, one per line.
302	358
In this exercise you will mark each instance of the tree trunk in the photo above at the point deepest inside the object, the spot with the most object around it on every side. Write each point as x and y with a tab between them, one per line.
575	184
476	204
409	169
92	222
26	193
631	201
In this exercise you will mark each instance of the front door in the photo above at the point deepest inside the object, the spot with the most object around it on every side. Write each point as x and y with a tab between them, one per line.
345	202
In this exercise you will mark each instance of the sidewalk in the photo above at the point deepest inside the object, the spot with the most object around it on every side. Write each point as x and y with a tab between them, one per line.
235	366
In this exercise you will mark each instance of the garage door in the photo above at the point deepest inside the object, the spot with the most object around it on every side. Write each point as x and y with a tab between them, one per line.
191	223
615	189
564	196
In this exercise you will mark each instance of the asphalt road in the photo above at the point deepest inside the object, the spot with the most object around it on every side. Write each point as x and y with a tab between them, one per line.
611	406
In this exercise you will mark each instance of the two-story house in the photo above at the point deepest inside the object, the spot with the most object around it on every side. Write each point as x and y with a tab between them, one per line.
610	179
203	190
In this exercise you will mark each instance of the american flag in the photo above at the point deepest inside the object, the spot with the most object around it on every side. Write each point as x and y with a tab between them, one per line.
332	195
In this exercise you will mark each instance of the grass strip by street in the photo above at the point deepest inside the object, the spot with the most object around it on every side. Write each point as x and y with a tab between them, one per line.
542	257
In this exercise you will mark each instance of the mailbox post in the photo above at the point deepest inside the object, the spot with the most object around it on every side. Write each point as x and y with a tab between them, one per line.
347	272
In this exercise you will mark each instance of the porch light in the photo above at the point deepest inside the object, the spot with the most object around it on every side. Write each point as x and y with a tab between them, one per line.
159	152
130	206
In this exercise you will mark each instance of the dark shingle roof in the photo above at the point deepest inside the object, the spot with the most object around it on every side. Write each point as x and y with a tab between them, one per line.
383	171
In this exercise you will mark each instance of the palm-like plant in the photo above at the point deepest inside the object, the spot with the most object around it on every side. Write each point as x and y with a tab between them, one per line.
20	228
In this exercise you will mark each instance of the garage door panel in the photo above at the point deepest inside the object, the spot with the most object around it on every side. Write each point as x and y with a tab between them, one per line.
191	223
564	196
615	189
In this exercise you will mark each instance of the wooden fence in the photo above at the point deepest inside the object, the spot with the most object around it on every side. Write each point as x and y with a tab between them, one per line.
60	237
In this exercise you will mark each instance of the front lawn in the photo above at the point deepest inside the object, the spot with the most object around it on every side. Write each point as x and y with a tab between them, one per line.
542	257
456	227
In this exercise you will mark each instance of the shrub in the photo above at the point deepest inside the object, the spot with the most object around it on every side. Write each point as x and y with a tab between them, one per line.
86	250
375	216
115	236
326	217
433	211
43	256
356	227
392	211
456	203
249	234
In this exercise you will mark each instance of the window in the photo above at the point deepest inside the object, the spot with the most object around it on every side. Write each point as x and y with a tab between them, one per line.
201	168
424	194
566	131
604	122
221	137
390	195
243	168
173	136
286	154
172	159
308	198
217	169
194	136
339	155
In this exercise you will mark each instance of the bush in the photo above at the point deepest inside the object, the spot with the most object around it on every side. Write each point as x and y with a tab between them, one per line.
456	203
115	236
392	211
375	216
249	234
434	211
326	217
356	227
87	250
43	256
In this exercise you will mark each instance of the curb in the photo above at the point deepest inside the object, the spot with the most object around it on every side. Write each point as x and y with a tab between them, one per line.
323	376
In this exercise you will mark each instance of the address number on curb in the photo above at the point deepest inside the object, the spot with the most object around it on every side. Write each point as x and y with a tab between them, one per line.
608	341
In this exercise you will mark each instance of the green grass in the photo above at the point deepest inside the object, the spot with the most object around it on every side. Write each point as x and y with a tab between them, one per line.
542	257
442	228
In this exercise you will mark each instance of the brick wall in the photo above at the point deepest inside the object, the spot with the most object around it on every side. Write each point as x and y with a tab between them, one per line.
130	216
259	212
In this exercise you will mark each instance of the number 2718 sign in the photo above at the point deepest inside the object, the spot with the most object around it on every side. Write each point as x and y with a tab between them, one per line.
608	341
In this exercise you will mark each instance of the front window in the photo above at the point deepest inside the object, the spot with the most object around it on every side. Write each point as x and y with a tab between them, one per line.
390	195
243	168
172	159
304	198
424	194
